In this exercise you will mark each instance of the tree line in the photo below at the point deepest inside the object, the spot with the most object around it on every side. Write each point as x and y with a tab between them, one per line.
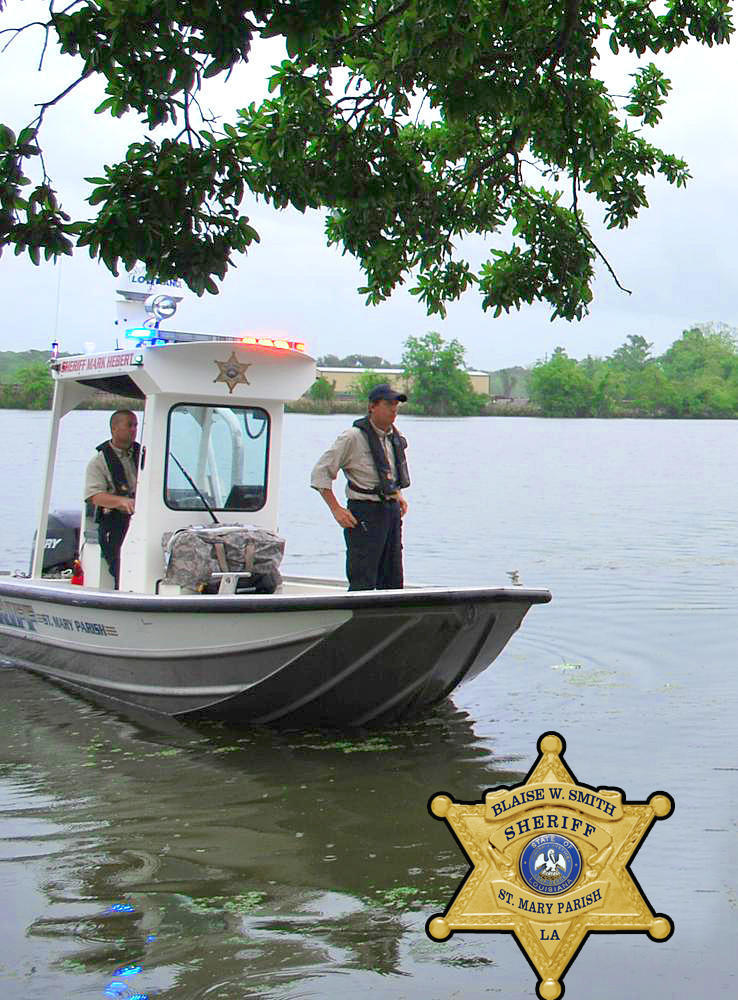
696	377
434	368
354	361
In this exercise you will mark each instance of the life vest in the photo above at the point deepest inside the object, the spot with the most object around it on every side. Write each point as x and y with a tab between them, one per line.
113	524
115	467
386	484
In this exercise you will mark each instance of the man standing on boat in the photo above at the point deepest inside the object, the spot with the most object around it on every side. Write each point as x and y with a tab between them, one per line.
110	485
371	454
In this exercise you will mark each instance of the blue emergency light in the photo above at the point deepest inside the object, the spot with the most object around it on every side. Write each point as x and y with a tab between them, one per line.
145	335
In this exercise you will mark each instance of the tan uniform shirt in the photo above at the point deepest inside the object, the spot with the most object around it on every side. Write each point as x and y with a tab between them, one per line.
97	476
350	452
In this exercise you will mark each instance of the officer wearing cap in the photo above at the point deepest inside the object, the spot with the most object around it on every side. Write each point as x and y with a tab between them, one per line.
371	455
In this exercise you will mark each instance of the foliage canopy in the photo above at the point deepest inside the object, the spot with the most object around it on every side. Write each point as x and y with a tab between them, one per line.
412	122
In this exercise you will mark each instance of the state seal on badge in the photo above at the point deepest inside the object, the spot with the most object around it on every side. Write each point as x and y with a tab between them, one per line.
550	863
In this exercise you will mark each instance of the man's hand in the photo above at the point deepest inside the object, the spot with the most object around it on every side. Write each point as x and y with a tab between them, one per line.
344	517
403	505
112	501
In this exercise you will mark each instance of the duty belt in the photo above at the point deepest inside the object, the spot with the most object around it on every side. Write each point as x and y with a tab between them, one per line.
376	492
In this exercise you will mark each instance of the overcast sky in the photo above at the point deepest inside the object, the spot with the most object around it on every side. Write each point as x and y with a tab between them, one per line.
678	258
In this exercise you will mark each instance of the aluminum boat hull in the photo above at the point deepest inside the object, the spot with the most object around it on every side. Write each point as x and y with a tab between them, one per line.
336	658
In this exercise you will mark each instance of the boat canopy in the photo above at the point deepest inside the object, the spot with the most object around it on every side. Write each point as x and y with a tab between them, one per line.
210	439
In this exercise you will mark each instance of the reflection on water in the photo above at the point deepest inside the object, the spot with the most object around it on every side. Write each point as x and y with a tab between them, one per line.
283	856
221	864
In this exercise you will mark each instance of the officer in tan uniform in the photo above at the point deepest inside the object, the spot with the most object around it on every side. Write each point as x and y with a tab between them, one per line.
371	455
110	485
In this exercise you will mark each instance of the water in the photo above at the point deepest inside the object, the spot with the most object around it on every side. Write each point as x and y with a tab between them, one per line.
180	862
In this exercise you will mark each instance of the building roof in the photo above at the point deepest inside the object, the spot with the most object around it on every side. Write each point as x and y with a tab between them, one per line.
384	371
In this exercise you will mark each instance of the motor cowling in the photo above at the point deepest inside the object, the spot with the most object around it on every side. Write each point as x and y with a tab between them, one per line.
61	547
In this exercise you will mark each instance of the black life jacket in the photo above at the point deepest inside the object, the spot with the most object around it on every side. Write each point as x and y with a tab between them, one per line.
386	484
113	524
115	467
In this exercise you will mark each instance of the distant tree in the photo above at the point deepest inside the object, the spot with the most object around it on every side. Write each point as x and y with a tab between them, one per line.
11	361
631	361
713	326
367	361
607	391
510	382
633	355
321	389
702	371
708	395
561	387
354	361
507	378
696	351
652	393
329	361
436	374
364	382
33	387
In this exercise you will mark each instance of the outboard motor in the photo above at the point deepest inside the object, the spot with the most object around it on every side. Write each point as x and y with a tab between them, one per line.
62	542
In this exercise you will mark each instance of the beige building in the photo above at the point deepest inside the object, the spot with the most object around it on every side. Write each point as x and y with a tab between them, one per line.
342	379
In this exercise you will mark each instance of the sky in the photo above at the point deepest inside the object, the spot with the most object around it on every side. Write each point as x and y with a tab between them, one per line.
678	258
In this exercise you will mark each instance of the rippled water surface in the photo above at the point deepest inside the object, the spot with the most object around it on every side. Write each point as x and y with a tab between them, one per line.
169	861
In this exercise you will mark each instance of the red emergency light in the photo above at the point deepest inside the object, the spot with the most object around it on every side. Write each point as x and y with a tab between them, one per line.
284	345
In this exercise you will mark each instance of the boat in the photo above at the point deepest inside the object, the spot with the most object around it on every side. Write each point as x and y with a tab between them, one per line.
306	652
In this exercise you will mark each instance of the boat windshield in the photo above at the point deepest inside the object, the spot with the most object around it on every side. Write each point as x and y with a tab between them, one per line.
216	454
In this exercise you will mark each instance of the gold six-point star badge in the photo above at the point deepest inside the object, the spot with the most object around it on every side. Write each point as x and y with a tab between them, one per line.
232	372
550	864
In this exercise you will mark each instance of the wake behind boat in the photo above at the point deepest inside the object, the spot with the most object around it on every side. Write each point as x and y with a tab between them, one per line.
306	651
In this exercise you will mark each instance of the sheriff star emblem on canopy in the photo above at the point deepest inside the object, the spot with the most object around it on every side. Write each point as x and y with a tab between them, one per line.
550	864
232	372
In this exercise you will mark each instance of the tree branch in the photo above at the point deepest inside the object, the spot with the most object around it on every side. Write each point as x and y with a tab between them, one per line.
575	193
338	43
16	31
585	235
49	104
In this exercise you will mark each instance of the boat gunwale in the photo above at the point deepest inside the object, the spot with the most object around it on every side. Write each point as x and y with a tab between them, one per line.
274	603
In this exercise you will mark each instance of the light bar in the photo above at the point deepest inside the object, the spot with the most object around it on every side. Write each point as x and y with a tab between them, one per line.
144	335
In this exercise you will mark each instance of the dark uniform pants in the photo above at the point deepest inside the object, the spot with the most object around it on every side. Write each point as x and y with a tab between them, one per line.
374	546
112	529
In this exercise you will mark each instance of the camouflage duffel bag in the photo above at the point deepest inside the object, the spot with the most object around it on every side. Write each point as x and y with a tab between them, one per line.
192	555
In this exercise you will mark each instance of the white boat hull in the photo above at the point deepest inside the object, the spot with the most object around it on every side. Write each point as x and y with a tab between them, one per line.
323	658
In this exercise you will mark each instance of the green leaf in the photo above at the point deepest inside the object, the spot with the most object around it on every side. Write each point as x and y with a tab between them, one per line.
7	138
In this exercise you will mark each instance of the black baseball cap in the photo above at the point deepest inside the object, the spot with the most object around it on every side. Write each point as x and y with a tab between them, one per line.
385	391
